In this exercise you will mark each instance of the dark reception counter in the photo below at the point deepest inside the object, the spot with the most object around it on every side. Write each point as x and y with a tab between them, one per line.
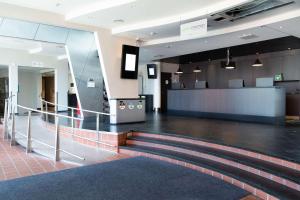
266	105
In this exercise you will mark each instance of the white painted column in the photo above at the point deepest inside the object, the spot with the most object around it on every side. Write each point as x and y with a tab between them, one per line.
13	83
62	86
157	88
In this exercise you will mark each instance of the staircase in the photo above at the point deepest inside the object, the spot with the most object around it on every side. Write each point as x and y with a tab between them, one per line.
264	176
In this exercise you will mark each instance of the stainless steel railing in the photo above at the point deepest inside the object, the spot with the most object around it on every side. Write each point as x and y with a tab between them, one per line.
9	116
10	127
98	114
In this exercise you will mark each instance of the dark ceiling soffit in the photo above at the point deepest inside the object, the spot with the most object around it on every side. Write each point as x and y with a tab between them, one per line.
267	46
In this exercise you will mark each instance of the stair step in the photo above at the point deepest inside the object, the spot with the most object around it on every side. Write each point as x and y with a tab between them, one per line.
246	161
271	187
179	138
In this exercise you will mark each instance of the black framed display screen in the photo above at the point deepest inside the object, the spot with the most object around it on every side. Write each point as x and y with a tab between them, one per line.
152	71
130	59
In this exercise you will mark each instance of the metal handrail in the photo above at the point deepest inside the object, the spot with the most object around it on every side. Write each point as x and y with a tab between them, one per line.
77	109
57	116
49	113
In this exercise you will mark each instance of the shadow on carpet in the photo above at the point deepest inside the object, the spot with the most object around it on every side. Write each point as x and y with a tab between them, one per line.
134	178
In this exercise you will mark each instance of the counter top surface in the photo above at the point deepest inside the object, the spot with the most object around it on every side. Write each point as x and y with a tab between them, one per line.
231	88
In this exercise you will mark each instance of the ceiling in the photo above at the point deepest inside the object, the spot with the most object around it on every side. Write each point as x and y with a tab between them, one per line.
48	49
157	22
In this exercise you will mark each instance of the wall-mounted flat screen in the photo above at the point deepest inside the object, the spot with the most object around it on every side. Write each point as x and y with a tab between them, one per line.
152	71
130	59
278	77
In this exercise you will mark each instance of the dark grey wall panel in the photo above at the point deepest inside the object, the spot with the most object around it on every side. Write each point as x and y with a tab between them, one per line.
52	34
86	65
18	28
286	62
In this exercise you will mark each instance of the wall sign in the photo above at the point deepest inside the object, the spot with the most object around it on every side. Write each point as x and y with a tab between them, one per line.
193	29
91	83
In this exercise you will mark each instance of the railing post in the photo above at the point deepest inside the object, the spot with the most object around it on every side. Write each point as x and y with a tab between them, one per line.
28	147
42	108
56	103
13	129
5	131
72	122
46	106
57	147
11	102
97	126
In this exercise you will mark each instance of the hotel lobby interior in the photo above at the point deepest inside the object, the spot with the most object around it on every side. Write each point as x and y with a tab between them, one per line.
141	99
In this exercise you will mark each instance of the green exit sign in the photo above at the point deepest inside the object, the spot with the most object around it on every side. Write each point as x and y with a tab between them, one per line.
278	77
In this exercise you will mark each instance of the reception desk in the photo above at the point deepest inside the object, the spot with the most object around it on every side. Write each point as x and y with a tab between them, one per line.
266	105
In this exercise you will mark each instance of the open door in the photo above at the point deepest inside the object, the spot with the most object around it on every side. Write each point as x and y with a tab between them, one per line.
48	89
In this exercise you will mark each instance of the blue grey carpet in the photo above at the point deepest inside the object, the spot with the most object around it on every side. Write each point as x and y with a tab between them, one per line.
135	179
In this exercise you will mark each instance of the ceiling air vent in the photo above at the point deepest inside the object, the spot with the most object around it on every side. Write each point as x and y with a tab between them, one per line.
219	19
248	36
251	8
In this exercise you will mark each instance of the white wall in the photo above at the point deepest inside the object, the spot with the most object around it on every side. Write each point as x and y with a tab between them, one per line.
110	54
15	58
13	82
28	89
23	58
151	86
62	86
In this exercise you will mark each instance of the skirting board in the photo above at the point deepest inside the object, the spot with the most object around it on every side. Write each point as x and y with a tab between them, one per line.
234	117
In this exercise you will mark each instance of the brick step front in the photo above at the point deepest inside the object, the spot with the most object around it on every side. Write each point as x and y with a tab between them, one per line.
254	172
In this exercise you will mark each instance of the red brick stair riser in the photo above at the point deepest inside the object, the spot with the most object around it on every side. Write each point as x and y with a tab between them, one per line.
258	172
277	161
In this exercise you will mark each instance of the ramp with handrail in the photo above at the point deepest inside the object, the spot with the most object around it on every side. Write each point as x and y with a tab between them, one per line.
10	132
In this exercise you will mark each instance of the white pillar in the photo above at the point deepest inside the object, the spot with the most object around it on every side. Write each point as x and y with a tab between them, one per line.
13	83
62	86
157	88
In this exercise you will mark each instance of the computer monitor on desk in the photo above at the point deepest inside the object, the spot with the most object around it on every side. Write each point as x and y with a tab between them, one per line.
201	84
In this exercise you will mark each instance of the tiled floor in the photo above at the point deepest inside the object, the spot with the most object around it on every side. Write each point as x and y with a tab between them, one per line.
276	141
15	163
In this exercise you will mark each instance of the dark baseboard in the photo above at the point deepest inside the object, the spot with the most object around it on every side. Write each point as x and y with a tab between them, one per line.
233	117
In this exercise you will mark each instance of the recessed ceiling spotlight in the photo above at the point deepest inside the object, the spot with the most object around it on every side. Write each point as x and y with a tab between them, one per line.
248	36
62	57
280	27
36	50
153	33
118	21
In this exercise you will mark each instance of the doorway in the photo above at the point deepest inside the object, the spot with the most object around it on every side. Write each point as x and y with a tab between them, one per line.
166	82
48	89
4	92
